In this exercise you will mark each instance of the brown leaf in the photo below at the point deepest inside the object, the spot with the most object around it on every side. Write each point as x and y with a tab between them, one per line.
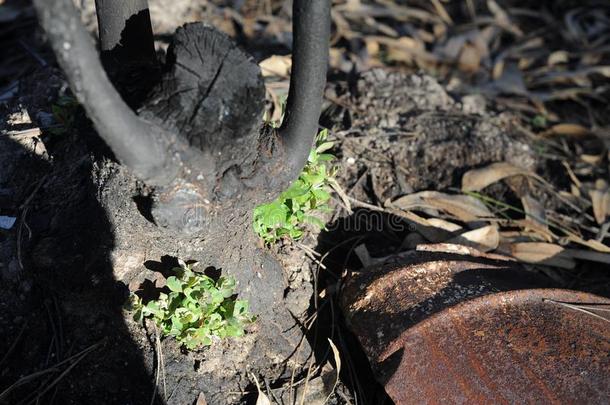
469	59
276	65
478	179
337	358
463	207
542	253
502	18
446	225
567	130
590	243
541	231
601	204
201	399
484	239
558	57
262	399
422	226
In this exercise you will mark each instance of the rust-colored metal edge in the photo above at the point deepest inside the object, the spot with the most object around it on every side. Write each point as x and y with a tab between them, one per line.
509	347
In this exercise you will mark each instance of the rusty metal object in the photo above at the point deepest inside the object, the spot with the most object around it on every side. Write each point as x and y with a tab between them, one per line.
452	325
408	288
510	347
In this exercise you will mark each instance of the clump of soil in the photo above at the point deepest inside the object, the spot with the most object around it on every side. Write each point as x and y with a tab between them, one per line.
410	135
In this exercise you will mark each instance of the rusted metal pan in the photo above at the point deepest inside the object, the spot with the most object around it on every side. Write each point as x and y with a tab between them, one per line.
450	324
511	347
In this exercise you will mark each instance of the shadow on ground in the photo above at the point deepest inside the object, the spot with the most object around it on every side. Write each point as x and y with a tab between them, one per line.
63	339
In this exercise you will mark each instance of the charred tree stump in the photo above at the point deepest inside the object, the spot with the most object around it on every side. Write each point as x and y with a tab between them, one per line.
196	147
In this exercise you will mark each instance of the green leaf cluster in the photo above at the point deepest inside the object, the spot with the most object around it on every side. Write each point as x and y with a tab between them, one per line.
197	310
287	215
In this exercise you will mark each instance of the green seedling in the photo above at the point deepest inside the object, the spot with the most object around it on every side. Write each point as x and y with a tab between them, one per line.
197	310
309	194
65	111
539	122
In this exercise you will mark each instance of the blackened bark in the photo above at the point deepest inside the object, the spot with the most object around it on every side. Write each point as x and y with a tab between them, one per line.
124	25
127	47
311	36
137	144
198	138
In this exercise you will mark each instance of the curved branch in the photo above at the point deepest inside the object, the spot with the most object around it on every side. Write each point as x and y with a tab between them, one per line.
137	144
311	36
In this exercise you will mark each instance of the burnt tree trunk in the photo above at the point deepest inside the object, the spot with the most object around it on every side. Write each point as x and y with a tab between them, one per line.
197	150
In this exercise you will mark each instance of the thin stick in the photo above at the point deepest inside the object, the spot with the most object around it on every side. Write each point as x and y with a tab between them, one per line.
14	344
62	375
576	308
37	374
157	371
25	207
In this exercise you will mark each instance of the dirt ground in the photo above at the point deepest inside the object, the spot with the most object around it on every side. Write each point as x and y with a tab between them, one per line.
419	94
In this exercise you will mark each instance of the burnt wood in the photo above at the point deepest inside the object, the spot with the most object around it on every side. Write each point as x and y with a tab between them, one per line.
198	137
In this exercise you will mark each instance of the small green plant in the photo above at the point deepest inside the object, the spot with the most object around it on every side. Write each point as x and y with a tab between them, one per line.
197	309
539	122
65	111
286	216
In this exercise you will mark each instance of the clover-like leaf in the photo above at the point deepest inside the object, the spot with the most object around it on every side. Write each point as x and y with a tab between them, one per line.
197	310
174	284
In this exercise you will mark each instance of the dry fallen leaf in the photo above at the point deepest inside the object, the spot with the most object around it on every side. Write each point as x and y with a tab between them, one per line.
540	231
446	225
201	399
567	130
422	226
463	207
542	253
558	57
502	18
478	179
262	398
590	243
484	239
276	65
337	358
601	203
534	211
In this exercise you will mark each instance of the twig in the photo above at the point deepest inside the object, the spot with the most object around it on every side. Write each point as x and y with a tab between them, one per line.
52	369
270	391
24	207
310	253
14	344
158	371
361	204
577	308
309	373
34	54
62	375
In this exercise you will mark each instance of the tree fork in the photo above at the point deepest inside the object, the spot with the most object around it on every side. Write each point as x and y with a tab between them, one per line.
198	141
132	140
198	137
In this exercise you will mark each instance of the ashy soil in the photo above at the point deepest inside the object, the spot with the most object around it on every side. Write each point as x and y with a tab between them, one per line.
81	240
